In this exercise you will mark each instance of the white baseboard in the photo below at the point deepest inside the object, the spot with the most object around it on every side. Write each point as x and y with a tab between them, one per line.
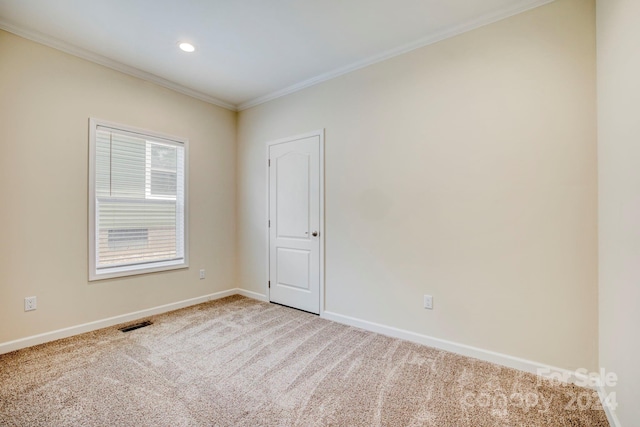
611	413
111	321
462	349
252	295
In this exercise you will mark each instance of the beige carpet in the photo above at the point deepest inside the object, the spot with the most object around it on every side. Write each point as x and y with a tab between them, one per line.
239	362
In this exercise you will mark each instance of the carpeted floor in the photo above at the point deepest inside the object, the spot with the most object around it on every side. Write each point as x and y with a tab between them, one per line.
239	362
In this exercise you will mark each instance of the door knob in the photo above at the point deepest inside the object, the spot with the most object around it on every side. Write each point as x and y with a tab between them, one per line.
314	234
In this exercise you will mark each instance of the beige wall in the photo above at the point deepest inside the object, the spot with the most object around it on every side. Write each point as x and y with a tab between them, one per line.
46	99
619	199
465	170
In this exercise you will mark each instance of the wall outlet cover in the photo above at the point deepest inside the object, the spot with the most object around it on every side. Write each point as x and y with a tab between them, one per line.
428	302
30	303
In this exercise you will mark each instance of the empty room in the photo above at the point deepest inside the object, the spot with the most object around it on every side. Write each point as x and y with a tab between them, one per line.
314	213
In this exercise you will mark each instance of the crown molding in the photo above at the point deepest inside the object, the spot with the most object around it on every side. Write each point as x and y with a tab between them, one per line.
431	39
126	69
110	63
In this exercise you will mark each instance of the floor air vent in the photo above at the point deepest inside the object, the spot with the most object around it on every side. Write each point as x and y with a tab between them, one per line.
136	326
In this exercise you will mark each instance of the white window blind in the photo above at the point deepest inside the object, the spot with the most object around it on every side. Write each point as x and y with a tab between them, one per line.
138	197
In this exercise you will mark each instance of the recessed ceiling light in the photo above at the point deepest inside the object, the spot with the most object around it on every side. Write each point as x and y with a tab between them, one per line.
187	47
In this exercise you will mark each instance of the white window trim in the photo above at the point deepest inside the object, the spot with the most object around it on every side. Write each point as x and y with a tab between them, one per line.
131	270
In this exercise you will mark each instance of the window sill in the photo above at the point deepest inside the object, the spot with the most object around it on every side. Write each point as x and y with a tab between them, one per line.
128	270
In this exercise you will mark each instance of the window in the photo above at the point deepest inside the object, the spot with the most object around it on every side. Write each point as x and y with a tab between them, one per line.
137	201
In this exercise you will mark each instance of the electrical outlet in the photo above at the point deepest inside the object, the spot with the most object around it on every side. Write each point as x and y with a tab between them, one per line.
201	273
428	302
30	303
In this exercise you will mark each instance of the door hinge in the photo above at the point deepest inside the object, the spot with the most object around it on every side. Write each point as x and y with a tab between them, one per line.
269	284
269	162
269	223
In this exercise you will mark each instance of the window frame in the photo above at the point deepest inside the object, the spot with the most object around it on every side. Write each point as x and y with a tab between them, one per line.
133	269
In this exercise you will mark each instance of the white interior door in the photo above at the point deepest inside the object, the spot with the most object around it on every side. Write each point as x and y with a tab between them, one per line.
294	222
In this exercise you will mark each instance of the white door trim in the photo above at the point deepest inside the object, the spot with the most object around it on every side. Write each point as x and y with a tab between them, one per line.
319	133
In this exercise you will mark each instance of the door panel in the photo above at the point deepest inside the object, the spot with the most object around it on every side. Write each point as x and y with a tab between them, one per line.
292	189
293	268
294	217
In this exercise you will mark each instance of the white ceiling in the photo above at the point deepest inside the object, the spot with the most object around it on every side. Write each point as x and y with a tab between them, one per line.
247	51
